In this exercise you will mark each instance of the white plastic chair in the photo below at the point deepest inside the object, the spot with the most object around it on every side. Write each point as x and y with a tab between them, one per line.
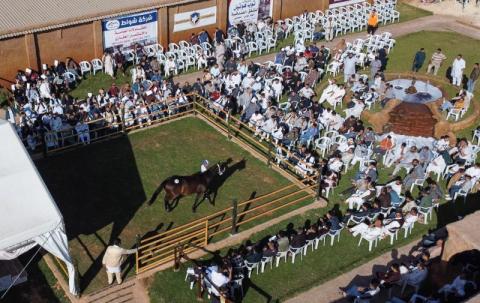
251	266
418	182
476	136
264	261
323	144
280	255
97	64
426	212
85	67
334	234
408	228
70	77
370	239
252	47
461	193
296	251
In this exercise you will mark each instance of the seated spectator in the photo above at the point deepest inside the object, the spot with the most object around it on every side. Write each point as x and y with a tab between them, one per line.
356	292
390	277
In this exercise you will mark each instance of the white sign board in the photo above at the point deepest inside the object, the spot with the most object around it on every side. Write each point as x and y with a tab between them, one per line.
125	31
248	11
194	19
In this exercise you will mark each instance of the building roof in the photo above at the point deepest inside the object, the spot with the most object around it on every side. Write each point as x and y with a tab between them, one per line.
19	17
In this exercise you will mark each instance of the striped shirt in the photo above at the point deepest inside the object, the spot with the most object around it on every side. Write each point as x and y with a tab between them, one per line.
438	57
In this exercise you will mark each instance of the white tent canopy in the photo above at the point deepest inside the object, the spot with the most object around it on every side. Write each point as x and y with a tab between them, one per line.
29	215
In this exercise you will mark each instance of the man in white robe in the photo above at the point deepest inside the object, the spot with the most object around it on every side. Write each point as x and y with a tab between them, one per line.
458	66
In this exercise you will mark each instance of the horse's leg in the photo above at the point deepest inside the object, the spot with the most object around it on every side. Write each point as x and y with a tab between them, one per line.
168	198
175	202
196	203
208	196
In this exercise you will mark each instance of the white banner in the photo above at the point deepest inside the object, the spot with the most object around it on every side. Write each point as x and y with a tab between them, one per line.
339	3
125	31
194	19
248	11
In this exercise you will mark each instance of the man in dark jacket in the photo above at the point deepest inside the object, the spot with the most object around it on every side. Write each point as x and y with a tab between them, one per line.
418	60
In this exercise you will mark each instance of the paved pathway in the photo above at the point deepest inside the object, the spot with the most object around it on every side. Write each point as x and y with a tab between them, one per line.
329	292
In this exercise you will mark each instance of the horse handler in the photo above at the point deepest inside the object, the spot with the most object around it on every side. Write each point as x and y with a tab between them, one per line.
113	260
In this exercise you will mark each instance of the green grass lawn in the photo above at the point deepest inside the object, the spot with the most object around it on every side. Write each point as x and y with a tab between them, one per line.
101	189
409	12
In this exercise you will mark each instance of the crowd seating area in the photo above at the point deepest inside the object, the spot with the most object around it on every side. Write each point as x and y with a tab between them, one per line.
49	115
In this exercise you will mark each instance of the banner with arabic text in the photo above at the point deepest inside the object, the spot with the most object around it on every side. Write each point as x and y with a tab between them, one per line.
248	11
127	30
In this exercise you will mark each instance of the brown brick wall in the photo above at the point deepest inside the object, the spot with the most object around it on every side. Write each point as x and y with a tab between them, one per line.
13	54
76	42
292	8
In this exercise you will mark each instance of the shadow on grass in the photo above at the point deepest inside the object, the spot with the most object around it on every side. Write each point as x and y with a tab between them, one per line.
40	286
87	207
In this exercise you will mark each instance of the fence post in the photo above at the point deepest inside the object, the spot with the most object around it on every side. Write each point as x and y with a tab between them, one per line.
234	217
319	183
229	133
206	232
269	157
199	293
137	240
194	104
176	262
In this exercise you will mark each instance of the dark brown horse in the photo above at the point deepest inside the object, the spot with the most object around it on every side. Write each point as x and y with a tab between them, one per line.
177	187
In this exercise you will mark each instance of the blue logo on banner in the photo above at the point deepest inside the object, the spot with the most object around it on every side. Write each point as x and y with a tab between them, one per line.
195	17
129	20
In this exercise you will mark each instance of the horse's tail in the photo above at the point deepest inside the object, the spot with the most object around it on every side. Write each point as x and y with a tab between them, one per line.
158	191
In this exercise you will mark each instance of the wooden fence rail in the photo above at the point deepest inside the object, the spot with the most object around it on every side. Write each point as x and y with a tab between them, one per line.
159	249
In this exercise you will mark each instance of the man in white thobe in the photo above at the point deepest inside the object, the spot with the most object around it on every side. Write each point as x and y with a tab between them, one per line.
328	91
349	67
457	70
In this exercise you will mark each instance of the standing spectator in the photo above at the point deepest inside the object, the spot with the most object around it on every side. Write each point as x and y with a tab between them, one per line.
375	67
318	33
220	54
349	67
418	60
458	67
382	56
113	259
436	61
473	78
219	35
329	25
119	61
372	23
108	64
